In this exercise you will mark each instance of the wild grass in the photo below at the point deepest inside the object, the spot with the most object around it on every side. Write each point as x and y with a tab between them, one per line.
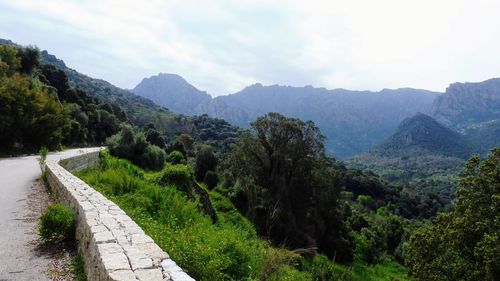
227	250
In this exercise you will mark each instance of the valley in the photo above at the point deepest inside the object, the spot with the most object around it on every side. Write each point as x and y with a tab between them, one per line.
277	182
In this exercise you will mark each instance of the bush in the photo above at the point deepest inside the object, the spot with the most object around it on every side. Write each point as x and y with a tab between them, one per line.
133	146
57	223
176	157
178	175
211	179
153	157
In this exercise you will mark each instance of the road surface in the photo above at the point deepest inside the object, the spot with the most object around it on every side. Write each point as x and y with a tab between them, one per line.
19	260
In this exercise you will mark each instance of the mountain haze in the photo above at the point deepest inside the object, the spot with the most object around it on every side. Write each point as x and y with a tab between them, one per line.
352	121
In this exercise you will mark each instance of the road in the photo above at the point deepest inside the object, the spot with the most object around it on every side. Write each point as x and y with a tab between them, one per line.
19	260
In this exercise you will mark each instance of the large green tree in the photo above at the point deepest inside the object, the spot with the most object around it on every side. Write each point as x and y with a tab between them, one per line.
463	244
285	186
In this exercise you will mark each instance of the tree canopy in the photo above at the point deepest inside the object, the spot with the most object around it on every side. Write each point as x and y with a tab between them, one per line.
286	187
463	244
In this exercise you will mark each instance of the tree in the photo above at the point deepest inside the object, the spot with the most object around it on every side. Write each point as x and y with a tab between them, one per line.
30	59
154	137
30	115
205	161
463	244
285	187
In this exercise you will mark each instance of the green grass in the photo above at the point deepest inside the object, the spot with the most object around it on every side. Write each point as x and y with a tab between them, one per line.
227	250
78	267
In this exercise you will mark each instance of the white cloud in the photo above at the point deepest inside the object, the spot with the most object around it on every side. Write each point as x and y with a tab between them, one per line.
221	46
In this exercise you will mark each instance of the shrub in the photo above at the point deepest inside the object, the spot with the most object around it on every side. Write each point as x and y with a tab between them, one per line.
211	179
133	146
153	157
178	175
57	223
175	157
43	157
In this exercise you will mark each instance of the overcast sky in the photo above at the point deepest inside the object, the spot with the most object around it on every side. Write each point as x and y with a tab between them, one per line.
222	46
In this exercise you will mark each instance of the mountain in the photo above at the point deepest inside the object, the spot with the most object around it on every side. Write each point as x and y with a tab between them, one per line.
352	121
342	115
421	151
474	110
172	92
466	104
422	133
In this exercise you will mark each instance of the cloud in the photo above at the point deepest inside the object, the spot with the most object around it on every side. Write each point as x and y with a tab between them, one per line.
222	46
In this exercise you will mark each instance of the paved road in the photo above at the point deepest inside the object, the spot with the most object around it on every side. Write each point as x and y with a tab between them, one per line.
18	259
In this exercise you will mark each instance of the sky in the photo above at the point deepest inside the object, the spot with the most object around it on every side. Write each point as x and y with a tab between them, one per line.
222	46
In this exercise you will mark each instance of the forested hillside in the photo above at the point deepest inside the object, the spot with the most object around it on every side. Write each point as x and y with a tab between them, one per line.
421	152
38	107
80	110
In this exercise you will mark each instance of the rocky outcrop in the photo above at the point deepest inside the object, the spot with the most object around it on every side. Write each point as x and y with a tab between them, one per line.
113	246
467	104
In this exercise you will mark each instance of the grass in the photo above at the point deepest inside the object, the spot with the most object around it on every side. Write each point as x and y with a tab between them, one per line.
227	250
78	268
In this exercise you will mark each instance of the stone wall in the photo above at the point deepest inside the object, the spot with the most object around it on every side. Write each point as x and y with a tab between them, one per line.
112	245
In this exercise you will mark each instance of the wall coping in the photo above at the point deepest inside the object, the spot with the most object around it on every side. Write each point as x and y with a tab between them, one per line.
112	245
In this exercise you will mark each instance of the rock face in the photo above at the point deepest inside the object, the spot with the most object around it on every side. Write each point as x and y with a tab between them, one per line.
473	109
172	92
466	104
112	245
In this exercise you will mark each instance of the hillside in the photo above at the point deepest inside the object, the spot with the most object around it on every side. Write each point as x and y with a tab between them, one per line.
341	114
422	133
421	151
93	109
142	111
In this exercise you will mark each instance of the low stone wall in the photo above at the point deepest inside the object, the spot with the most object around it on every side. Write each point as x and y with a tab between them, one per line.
112	245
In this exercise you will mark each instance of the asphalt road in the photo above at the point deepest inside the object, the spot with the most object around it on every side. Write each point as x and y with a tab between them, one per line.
18	258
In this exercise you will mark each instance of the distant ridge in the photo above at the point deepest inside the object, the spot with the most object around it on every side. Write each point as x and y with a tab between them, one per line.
342	115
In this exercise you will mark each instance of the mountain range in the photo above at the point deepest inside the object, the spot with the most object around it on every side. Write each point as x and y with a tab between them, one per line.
352	121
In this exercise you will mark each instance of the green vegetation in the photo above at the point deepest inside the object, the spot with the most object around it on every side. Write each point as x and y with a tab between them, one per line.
57	224
463	244
39	108
284	185
317	211
175	157
267	203
78	267
421	153
41	162
132	145
227	250
45	103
